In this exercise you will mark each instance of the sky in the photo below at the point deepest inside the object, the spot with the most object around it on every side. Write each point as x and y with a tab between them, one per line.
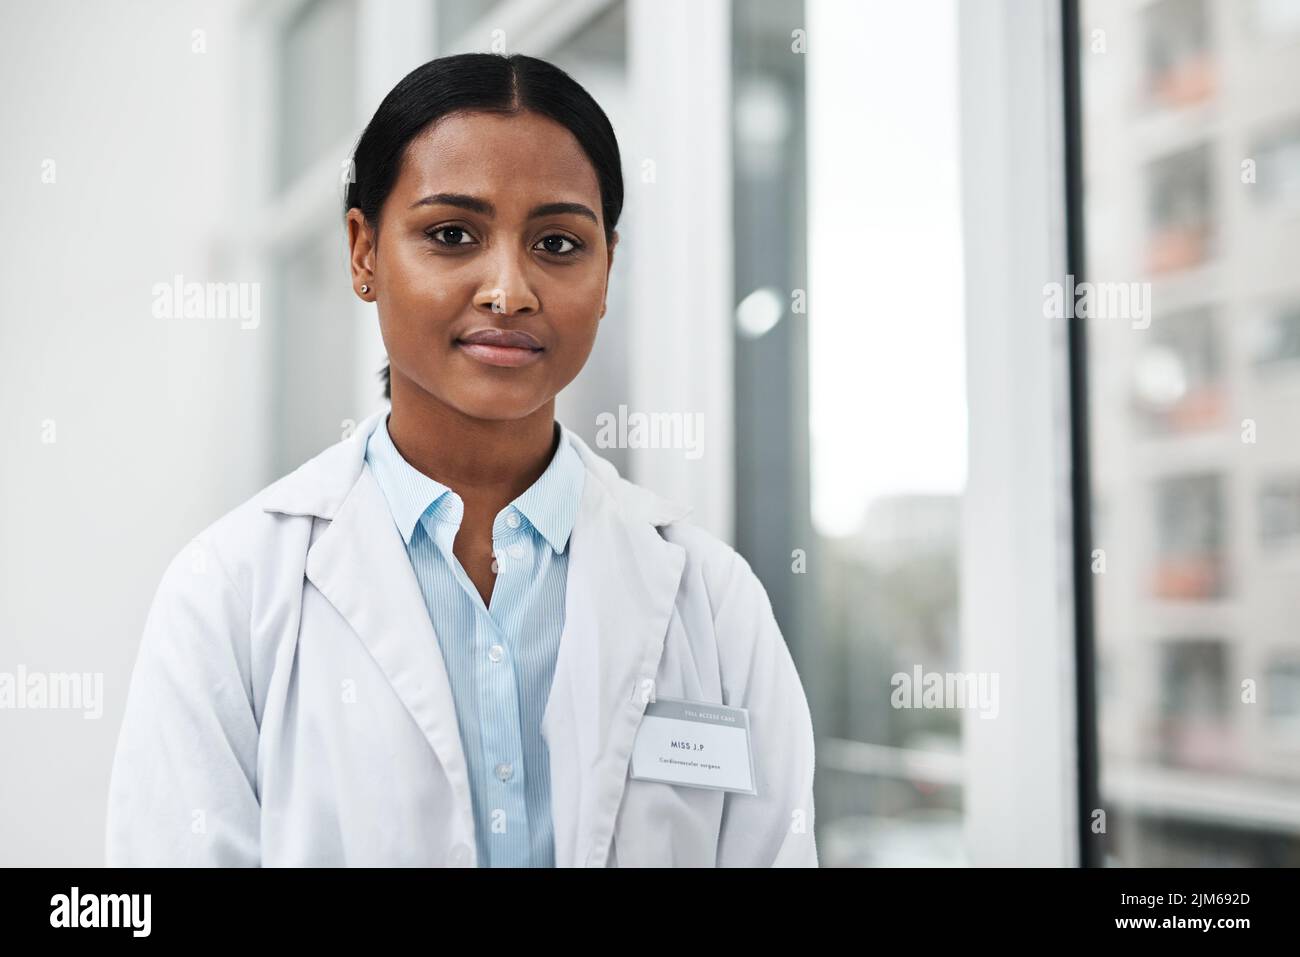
885	300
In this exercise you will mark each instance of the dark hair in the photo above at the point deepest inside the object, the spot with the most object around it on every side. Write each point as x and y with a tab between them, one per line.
479	82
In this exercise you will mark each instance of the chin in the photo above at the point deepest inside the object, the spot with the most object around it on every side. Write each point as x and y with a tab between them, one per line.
497	405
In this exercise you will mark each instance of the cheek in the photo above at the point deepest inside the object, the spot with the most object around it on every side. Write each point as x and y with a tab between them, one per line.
415	274
421	295
575	314
577	299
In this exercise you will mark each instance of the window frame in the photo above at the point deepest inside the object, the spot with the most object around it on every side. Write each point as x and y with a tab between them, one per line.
1025	612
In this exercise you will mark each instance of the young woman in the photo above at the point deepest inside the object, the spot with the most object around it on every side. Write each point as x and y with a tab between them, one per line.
459	637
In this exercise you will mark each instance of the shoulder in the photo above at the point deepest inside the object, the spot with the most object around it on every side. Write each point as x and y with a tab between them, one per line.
754	662
722	567
271	528
712	565
735	594
226	557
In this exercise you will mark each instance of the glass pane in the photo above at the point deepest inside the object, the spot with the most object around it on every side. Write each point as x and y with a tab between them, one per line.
1191	113
317	79
850	400
455	18
315	349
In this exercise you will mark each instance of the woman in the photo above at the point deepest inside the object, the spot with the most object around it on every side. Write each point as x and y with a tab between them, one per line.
458	636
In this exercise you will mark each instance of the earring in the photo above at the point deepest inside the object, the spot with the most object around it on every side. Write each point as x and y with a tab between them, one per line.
364	287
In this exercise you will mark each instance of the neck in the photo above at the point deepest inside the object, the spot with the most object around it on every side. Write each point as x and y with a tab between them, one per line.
491	461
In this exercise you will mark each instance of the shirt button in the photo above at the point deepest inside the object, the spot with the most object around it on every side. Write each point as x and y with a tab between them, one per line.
512	519
516	550
504	771
459	856
496	652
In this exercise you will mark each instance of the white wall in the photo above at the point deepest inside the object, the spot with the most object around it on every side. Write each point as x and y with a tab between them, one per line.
157	425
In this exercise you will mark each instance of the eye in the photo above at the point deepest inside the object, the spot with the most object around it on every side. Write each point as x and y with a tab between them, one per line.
554	244
456	236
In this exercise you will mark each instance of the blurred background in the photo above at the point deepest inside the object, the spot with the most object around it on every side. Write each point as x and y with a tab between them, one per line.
1192	183
840	218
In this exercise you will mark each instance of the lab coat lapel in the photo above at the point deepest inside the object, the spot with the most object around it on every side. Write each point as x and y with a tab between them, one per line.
360	565
620	594
622	584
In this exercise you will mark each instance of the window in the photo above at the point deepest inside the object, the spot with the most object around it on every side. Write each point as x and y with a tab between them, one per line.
1180	226
1189	561
1178	66
458	18
316	66
1192	426
1282	694
850	397
1177	385
1279	512
1277	173
1277	338
315	348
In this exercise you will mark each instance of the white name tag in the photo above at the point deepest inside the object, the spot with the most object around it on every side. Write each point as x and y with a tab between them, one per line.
694	743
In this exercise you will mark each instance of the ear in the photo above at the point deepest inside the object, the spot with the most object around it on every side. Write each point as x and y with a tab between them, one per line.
608	266
361	254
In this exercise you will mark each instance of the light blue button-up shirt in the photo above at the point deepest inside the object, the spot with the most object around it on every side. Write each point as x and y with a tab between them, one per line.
500	658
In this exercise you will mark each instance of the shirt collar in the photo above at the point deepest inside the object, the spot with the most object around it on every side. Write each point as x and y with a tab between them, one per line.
550	504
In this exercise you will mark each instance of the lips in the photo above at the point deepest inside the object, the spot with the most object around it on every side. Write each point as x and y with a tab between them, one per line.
508	338
501	347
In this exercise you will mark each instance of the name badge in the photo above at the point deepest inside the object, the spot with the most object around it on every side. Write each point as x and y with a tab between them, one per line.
696	744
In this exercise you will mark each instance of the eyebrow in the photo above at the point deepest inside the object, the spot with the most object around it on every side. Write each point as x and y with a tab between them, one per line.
476	205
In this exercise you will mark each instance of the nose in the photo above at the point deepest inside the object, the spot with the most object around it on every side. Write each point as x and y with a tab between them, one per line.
506	289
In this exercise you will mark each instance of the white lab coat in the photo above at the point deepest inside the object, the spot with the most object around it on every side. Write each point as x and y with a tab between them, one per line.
289	704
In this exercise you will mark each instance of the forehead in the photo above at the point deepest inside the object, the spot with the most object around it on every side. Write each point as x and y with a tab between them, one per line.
513	160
